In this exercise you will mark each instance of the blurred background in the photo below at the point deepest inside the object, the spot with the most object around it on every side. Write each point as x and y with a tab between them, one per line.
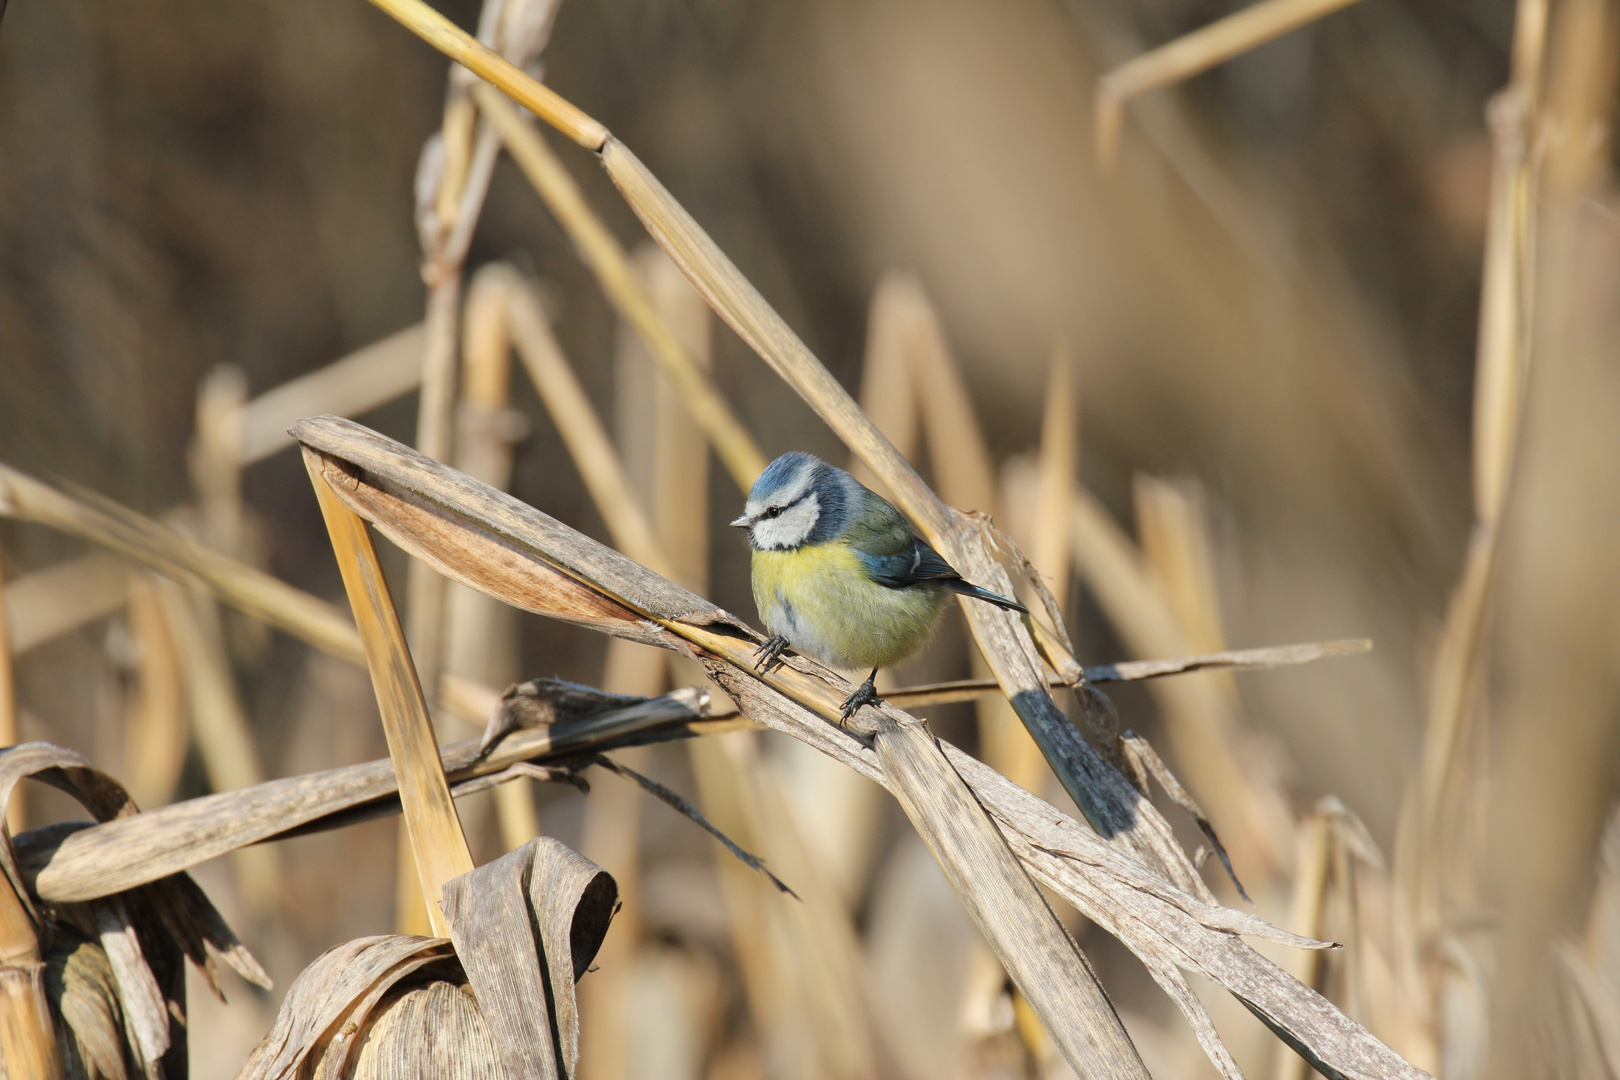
1265	320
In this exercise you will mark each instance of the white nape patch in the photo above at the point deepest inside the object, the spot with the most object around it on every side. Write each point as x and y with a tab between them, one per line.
788	529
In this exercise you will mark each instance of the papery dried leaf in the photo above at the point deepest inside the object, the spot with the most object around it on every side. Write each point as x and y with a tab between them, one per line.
332	1002
494	913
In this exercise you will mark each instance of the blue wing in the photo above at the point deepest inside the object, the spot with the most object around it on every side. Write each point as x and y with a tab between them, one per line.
920	563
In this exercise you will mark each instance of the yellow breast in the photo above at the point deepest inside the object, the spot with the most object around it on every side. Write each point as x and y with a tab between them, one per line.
820	598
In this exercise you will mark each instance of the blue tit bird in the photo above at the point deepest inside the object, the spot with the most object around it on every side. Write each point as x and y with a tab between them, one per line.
839	574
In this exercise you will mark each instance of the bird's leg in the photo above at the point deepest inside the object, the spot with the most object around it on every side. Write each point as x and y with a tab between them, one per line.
865	694
769	655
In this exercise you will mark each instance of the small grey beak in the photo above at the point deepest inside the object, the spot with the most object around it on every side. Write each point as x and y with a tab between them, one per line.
741	523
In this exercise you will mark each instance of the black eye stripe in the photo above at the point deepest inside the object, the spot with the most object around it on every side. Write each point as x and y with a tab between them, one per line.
778	511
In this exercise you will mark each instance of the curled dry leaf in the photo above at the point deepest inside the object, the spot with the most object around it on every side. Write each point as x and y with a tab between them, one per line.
114	967
522	930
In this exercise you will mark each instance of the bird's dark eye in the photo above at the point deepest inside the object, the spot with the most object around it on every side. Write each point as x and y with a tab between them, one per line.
775	511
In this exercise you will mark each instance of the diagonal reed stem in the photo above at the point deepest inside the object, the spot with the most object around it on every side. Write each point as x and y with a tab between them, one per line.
430	814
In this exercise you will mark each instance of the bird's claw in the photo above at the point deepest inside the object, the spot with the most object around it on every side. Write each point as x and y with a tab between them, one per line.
865	694
769	655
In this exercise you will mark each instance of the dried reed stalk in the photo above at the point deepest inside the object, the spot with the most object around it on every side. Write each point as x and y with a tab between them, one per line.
1501	362
216	458
492	542
357	383
482	61
219	724
596	244
430	815
8	696
1194	53
481	635
48	603
957	690
172	555
156	733
888	394
27	1033
1439	845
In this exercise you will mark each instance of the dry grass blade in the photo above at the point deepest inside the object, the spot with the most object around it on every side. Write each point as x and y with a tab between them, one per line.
1436	826
1197	52
430	814
84	863
363	380
490	541
166	551
732	442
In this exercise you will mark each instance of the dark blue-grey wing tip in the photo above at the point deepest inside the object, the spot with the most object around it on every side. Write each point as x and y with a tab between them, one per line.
967	589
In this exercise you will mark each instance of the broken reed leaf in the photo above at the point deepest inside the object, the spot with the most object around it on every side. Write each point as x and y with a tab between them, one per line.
435	832
667	795
1162	923
111	525
1147	761
96	861
548	703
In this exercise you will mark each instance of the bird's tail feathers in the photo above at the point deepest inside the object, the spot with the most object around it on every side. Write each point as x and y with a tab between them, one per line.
967	589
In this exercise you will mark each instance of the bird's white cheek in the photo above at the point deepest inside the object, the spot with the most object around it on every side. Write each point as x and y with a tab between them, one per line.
788	530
